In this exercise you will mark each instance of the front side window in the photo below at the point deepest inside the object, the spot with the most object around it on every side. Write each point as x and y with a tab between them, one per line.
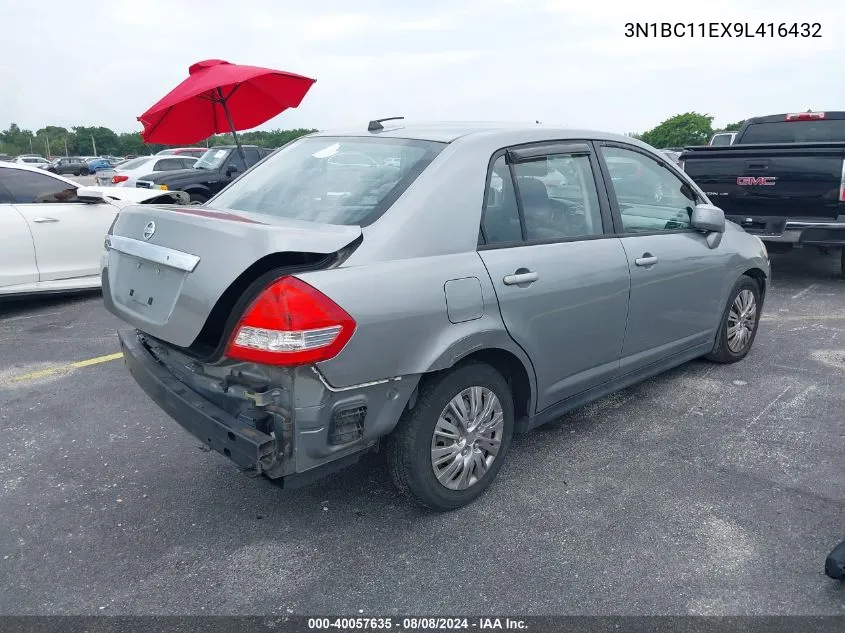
650	196
333	180
27	187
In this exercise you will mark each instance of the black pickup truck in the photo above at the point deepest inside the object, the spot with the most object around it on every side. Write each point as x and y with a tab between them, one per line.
783	179
219	166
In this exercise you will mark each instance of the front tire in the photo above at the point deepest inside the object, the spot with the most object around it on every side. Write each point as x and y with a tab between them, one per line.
198	198
84	172
740	321
448	449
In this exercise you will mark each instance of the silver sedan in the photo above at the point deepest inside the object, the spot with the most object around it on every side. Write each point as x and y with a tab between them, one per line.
459	285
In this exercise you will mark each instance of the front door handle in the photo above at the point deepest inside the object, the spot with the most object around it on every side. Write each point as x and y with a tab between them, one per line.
646	260
521	276
44	220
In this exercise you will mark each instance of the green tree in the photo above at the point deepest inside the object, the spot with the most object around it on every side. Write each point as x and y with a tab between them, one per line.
15	141
731	127
690	128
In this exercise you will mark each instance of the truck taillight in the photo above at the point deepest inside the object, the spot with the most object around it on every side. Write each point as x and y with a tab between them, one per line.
117	179
805	116
290	323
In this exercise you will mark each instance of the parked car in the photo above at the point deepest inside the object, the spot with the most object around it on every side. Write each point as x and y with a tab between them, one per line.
217	168
52	230
126	174
783	179
196	152
312	311
96	164
723	138
68	165
33	161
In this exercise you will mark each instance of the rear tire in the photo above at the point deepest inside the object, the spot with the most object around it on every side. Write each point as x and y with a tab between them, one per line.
440	462
842	263
84	172
739	324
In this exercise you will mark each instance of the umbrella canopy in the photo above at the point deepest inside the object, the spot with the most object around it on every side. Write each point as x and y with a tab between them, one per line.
219	97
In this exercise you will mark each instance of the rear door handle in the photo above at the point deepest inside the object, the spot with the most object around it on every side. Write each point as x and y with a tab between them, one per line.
521	276
44	220
646	260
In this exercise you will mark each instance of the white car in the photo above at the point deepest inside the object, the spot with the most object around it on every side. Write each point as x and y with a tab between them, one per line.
32	161
52	231
126	174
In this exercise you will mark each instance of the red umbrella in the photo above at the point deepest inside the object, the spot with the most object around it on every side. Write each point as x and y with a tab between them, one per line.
221	97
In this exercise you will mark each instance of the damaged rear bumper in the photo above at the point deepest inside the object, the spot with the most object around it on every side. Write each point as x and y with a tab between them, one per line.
244	445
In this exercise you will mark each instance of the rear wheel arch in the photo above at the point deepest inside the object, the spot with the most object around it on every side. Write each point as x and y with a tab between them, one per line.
508	364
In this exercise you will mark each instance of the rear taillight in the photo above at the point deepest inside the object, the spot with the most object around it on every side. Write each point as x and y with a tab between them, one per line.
291	323
805	116
117	179
842	184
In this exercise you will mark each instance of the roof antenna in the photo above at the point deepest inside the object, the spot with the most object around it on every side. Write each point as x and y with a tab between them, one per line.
376	125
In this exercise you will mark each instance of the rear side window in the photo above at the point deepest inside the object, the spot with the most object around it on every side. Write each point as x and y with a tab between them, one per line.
27	187
168	164
500	223
333	180
135	163
554	197
795	131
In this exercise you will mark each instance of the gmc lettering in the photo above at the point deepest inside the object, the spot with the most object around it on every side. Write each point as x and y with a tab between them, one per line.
745	181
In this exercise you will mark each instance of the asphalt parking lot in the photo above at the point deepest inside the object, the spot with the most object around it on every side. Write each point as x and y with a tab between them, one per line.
708	490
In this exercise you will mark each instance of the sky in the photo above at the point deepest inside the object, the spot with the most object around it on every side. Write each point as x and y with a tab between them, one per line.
564	62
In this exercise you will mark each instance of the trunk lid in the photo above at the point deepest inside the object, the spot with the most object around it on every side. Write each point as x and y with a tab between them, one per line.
167	267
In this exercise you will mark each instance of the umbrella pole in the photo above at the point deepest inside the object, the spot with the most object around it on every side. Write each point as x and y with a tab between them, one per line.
232	127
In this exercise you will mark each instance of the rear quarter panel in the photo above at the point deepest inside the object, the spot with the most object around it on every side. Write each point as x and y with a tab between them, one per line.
403	327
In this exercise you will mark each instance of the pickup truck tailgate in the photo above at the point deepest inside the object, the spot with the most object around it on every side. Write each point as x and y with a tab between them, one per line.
771	181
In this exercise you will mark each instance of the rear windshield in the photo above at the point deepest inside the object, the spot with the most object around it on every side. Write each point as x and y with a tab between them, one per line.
134	163
721	139
332	180
795	131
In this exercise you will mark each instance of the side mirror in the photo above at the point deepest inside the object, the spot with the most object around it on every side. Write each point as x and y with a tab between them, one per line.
231	169
92	196
711	219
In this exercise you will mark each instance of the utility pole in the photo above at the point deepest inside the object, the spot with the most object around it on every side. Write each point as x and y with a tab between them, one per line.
31	151
94	144
66	154
47	140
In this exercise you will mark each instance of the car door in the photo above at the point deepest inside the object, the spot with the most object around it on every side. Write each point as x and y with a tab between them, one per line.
561	280
68	235
17	251
676	278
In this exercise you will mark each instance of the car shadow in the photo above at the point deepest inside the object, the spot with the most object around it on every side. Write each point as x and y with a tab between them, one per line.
805	264
33	304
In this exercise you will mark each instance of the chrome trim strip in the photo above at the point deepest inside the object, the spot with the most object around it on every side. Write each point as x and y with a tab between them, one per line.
798	224
351	387
152	253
